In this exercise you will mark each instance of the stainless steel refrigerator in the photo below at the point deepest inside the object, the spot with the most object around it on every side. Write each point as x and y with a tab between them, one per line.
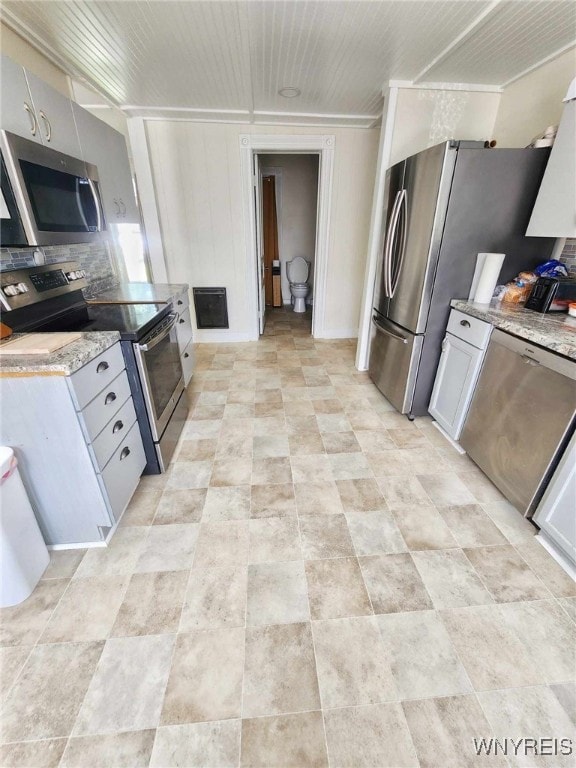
442	207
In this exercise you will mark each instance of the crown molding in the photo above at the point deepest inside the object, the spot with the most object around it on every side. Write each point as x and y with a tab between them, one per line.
411	84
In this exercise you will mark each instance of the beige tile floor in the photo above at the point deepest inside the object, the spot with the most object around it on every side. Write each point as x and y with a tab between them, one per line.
316	581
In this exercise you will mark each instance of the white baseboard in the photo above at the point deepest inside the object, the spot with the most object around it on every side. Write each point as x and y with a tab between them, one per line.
339	333
223	336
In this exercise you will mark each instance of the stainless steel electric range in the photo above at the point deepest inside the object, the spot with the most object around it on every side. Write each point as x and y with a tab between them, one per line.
49	298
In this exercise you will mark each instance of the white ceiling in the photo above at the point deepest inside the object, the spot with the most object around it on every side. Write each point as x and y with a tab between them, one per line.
229	59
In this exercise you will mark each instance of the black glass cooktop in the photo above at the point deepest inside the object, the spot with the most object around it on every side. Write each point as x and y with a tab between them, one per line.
133	321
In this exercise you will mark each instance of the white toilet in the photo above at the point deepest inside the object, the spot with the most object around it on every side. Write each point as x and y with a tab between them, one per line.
297	271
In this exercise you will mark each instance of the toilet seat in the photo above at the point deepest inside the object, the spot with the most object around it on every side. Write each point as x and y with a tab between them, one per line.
297	270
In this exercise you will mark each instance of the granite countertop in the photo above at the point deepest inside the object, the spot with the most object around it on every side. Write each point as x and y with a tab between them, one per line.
140	293
555	331
63	361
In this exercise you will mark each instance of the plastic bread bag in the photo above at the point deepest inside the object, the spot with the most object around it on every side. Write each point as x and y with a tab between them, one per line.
552	268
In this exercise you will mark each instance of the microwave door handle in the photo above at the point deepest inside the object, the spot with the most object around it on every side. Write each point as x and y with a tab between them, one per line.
388	247
151	343
402	218
96	198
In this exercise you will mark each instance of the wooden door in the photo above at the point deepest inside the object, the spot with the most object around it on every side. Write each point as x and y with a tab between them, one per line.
270	233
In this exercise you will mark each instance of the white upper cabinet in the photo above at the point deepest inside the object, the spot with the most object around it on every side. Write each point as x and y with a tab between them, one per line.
33	109
106	148
17	108
54	116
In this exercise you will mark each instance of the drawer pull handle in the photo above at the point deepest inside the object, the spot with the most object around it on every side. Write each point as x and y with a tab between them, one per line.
180	302
110	397
124	453
101	367
118	426
186	354
181	321
465	323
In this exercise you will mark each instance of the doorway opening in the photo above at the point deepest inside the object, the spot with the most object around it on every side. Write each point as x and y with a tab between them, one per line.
252	147
286	224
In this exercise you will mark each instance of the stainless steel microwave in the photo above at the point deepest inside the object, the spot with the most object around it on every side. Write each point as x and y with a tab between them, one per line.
48	198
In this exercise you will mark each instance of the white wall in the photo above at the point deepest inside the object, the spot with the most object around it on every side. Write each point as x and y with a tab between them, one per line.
427	117
296	202
196	169
27	56
531	104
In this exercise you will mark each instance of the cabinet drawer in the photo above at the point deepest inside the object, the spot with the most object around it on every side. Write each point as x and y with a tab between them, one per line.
91	379
184	330
113	433
122	473
105	405
470	329
187	359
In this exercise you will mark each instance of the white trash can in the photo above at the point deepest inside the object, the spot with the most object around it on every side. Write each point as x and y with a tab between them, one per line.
23	553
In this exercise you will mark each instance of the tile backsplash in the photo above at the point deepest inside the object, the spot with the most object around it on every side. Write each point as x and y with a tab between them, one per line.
568	257
95	258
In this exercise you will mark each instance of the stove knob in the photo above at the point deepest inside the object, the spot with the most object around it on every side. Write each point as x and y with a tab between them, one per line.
22	288
82	273
11	290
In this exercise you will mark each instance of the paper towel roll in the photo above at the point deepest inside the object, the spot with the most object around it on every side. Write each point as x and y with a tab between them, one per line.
491	266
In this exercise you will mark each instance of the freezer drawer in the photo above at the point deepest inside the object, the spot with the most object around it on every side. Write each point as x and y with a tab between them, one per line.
394	358
520	417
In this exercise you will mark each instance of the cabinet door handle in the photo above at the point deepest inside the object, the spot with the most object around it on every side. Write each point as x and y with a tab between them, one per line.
33	121
101	367
465	323
110	397
186	354
117	427
47	126
124	453
122	207
180	302
181	321
117	204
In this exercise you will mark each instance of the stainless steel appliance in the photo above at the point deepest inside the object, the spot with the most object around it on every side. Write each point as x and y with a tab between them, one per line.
49	298
442	207
48	198
521	417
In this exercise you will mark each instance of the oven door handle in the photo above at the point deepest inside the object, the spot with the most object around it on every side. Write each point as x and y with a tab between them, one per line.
154	340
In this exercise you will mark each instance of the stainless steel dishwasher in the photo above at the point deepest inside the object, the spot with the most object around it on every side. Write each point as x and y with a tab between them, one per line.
521	417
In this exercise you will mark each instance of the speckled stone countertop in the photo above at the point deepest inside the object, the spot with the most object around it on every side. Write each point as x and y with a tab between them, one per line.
555	331
63	361
140	293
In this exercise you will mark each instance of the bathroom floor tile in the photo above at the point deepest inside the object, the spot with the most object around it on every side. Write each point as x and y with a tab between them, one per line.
394	584
180	507
359	737
423	659
274	539
284	741
353	667
118	749
505	574
325	536
196	745
277	594
280	671
120	697
205	680
336	589
152	604
450	578
216	597
46	698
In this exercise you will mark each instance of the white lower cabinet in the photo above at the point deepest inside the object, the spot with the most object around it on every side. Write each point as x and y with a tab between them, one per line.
458	371
184	336
556	513
78	446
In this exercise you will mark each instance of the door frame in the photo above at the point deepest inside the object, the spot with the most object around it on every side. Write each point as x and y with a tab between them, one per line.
300	144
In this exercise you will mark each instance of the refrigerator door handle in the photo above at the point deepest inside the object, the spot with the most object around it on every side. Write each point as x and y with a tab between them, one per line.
402	218
386	331
388	246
